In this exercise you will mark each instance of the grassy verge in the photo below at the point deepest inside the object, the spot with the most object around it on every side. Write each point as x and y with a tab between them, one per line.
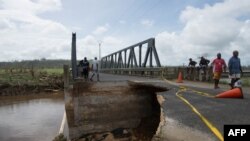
24	81
245	81
28	76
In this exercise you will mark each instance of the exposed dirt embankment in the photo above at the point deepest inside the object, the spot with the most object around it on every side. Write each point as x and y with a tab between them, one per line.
48	84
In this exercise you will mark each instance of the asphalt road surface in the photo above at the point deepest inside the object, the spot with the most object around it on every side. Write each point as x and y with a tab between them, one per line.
218	111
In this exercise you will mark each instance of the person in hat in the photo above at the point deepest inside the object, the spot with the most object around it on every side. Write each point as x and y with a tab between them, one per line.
218	66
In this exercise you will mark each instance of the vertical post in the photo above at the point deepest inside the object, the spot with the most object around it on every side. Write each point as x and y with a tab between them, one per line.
125	57
140	55
66	76
73	56
115	66
150	57
131	57
101	63
155	54
100	50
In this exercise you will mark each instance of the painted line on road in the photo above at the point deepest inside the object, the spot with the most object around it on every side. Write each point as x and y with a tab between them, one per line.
201	93
195	91
213	129
203	118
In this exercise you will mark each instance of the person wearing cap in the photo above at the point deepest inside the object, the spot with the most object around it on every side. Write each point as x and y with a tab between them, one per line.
218	66
235	69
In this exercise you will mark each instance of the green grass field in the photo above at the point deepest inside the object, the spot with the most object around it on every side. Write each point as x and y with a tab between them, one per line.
27	76
55	71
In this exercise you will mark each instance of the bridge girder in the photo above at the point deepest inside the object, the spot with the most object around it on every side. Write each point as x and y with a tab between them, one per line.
126	58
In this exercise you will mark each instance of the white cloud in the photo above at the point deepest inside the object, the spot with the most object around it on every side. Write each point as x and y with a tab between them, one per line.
147	23
25	35
34	6
89	40
112	41
212	29
89	46
100	30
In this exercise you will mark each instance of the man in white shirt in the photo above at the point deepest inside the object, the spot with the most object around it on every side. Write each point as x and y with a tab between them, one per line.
95	69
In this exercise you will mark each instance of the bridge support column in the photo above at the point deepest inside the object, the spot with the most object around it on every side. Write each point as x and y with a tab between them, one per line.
73	56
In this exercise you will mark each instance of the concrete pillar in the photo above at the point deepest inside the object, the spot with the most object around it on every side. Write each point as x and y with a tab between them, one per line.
73	56
66	75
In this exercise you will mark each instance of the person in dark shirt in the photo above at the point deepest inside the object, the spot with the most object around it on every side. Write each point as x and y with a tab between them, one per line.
203	65
191	63
85	65
235	70
204	62
190	68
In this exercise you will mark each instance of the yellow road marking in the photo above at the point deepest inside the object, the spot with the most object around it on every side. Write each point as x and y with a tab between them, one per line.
215	131
201	93
205	120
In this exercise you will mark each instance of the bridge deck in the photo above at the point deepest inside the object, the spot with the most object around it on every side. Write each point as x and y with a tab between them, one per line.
218	111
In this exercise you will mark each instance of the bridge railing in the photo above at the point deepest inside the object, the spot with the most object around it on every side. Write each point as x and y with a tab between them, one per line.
167	72
170	72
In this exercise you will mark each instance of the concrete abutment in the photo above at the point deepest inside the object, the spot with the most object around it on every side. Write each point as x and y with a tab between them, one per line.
101	109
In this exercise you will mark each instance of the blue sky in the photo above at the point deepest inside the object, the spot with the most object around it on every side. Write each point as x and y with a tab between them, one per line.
34	29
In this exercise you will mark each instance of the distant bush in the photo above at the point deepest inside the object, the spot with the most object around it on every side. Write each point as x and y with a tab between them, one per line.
60	137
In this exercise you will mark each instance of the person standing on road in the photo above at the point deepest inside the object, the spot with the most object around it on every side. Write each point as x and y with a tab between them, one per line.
95	70
203	65
191	68
85	68
218	66
235	69
203	62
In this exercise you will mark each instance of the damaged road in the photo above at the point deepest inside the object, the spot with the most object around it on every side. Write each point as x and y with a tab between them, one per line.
175	120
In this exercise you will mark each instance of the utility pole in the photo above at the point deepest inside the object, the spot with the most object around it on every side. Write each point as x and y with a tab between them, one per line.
100	43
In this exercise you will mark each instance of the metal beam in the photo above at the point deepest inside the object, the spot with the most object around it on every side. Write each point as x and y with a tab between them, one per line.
130	58
140	55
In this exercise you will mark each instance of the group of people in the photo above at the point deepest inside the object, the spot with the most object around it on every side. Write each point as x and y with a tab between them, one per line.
85	66
202	65
219	65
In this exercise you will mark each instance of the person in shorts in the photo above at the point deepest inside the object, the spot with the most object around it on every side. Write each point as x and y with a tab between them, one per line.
218	66
235	70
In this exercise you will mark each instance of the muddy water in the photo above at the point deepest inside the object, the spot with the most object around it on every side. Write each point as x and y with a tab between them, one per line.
30	119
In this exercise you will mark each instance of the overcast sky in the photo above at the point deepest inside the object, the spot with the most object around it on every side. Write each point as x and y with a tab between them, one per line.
34	29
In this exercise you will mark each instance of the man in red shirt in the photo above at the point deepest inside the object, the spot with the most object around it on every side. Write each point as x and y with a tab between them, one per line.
218	66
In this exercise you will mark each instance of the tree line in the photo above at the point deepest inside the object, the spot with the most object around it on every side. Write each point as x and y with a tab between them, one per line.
42	63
